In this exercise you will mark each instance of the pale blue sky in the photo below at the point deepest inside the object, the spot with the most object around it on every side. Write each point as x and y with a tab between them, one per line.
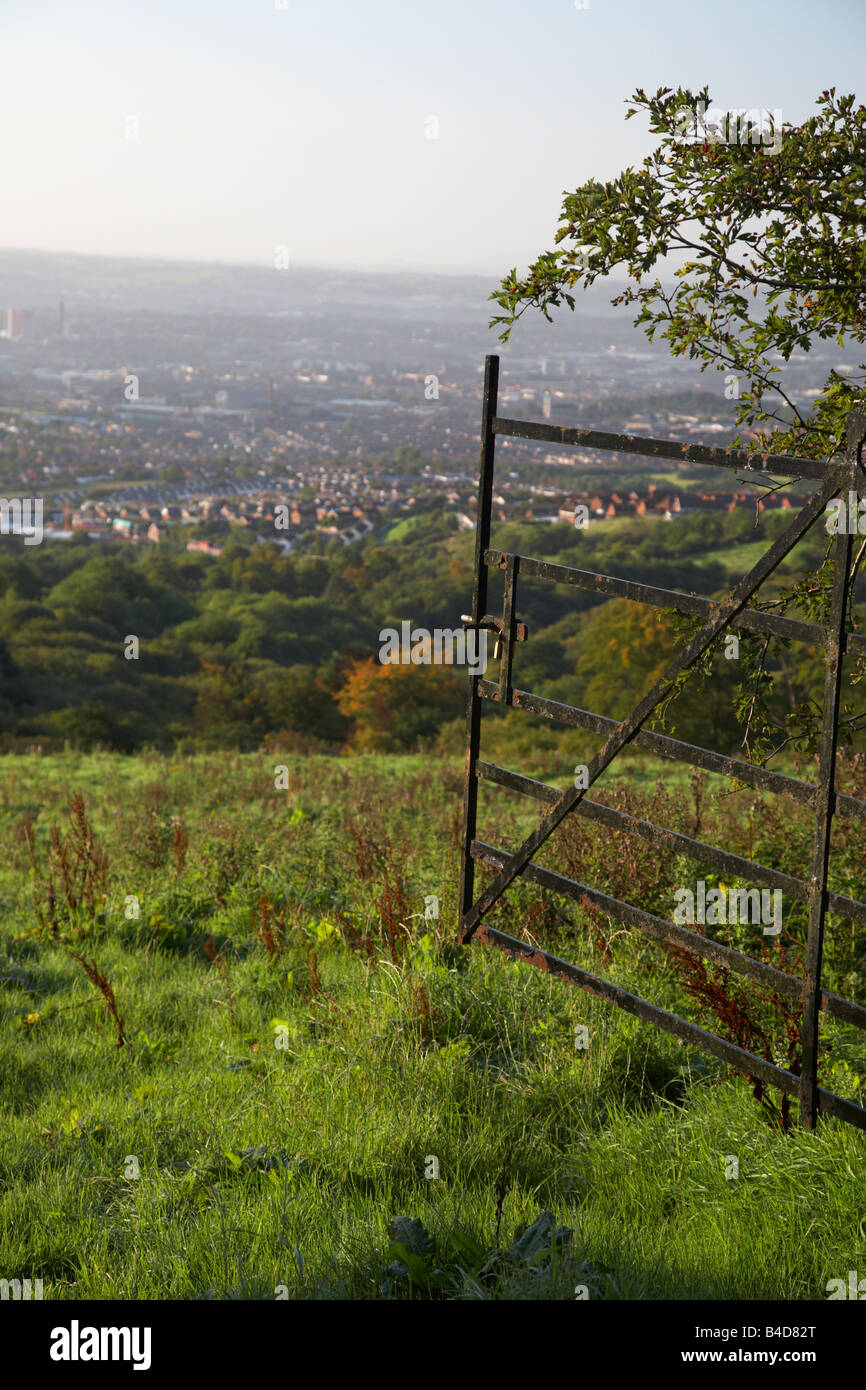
305	126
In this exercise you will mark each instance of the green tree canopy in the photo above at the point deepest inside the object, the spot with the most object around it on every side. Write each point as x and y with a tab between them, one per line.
765	224
770	232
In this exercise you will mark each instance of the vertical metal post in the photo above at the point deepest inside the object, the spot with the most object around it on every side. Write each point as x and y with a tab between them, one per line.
509	627
824	804
479	609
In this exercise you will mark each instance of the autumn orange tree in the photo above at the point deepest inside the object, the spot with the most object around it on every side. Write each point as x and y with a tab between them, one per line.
395	706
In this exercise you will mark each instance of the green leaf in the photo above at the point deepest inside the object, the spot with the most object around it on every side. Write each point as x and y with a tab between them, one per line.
469	1251
541	1238
409	1232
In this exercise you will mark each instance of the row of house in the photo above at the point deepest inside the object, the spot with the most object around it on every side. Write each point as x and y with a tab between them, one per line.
669	504
268	518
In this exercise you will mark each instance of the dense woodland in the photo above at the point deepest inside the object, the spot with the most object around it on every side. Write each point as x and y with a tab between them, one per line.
254	647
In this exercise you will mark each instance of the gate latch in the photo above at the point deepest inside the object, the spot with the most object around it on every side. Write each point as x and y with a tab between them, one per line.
491	624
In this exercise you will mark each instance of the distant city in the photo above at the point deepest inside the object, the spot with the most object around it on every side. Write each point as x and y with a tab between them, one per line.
136	396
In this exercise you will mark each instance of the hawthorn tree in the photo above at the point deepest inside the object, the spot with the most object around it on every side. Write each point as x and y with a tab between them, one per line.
772	230
764	224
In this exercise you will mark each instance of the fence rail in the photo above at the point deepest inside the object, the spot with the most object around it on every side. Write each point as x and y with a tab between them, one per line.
822	799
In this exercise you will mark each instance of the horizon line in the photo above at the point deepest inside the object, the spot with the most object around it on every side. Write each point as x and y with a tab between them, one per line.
346	267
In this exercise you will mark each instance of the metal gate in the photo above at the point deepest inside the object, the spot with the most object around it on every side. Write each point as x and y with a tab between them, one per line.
835	480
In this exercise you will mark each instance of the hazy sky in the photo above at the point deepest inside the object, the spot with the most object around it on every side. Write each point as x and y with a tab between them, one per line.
306	126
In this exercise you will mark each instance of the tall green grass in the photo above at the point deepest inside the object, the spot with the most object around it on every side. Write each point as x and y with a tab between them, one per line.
303	1038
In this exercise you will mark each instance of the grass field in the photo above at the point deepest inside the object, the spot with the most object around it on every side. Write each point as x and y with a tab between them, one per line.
307	1057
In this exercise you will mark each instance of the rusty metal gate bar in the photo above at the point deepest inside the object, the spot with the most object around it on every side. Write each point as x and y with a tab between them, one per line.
731	612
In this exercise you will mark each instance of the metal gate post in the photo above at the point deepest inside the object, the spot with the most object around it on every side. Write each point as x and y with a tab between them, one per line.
825	800
479	608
